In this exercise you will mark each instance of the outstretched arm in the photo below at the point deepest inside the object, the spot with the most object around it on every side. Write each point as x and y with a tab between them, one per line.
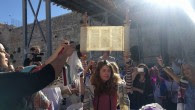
19	84
167	70
82	78
129	71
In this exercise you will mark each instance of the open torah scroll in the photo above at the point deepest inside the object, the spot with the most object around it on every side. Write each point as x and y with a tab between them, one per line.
104	38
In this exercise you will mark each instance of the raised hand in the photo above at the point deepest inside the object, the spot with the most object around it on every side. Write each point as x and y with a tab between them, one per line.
84	56
65	48
160	61
91	62
60	48
135	70
127	56
68	50
85	19
59	52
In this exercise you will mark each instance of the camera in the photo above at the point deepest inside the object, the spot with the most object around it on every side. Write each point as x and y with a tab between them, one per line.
140	70
37	57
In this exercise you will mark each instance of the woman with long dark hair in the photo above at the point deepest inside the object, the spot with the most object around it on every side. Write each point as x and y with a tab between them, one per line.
106	87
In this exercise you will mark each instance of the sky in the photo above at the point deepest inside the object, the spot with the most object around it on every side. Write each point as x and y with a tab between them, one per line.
11	11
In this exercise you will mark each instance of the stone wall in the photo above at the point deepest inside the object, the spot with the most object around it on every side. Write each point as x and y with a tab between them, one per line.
154	32
65	26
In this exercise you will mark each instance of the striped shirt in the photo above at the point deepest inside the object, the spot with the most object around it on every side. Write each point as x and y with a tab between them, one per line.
128	76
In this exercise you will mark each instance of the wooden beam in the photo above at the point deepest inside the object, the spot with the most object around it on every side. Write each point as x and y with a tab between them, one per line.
106	10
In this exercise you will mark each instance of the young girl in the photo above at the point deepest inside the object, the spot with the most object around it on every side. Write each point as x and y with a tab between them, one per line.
106	87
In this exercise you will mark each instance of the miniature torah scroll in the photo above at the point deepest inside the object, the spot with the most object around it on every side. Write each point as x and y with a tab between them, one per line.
104	38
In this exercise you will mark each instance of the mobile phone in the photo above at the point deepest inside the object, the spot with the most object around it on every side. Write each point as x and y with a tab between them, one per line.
140	70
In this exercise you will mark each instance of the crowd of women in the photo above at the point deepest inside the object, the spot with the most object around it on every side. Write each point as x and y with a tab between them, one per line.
97	85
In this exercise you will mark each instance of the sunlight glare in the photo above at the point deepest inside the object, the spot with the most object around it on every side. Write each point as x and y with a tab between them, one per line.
183	4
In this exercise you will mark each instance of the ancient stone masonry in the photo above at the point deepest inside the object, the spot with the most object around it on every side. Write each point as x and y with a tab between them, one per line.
152	36
67	26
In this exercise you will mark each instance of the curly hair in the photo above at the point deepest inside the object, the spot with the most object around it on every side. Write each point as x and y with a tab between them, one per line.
107	87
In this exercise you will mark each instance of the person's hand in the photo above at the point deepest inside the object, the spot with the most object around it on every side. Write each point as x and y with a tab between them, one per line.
60	48
66	91
19	68
126	56
160	61
91	62
62	45
74	91
84	56
68	50
85	19
38	63
65	49
58	59
155	69
135	71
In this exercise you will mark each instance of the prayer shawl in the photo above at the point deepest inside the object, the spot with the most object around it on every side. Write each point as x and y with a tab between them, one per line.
75	66
70	76
66	75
